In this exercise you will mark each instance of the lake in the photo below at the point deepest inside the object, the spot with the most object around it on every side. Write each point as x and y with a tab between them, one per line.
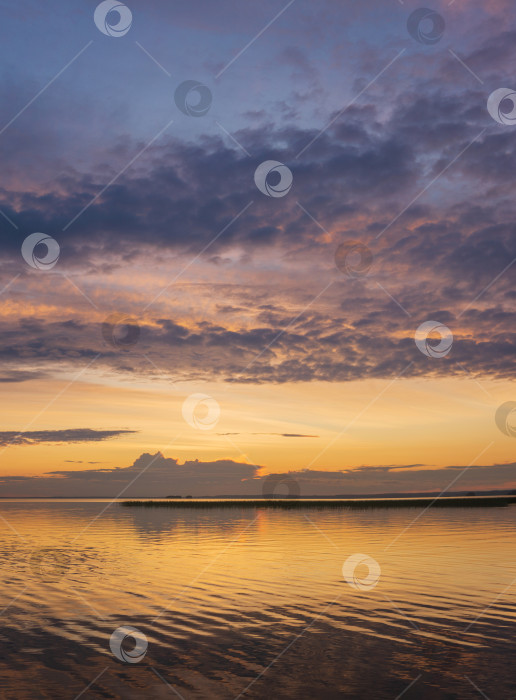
254	603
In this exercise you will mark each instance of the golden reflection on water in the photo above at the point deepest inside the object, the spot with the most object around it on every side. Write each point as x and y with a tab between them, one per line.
219	594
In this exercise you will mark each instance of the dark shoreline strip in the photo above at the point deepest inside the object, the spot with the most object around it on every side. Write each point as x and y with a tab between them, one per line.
286	503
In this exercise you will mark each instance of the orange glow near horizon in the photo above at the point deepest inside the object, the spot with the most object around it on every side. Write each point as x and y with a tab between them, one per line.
355	424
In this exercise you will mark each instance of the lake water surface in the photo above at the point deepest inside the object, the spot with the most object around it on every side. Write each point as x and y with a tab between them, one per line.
253	603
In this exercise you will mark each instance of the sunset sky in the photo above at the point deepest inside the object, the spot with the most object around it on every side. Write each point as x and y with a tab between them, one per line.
310	359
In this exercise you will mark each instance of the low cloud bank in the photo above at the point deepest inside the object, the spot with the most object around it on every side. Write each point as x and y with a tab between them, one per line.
160	476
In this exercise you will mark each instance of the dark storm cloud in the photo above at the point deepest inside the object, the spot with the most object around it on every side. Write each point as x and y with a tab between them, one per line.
37	437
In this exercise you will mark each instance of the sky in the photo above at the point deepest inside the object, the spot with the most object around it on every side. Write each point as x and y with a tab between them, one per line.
241	240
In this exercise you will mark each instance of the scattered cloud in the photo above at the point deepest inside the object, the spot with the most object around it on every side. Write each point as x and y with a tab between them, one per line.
285	435
70	435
